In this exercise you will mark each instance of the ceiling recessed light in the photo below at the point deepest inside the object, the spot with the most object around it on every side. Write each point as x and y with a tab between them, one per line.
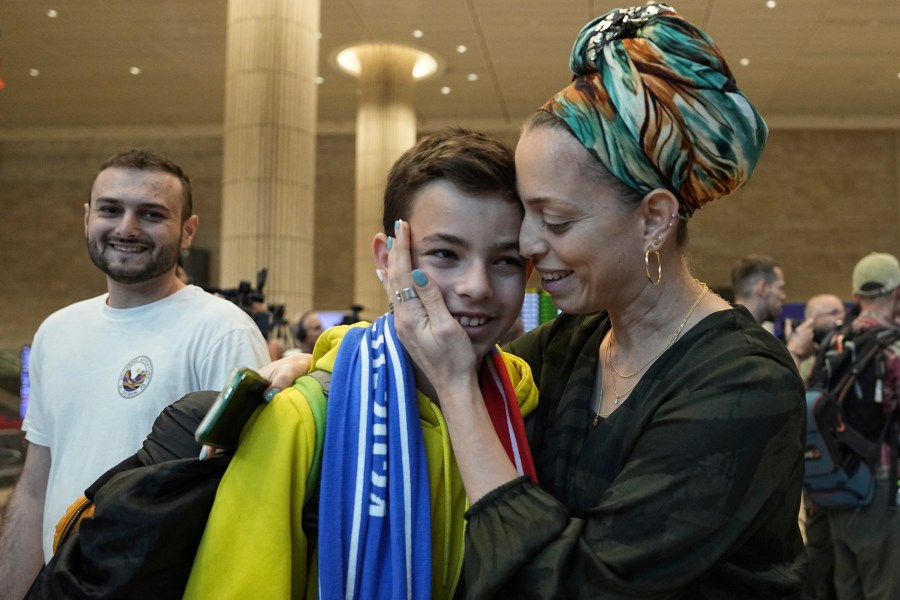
771	4
744	62
472	76
319	80
52	13
461	49
348	60
425	66
417	33
445	90
135	70
34	72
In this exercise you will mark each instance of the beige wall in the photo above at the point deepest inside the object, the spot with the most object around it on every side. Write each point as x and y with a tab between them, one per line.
818	201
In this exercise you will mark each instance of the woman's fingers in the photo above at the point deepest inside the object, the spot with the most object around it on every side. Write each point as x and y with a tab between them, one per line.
431	301
399	259
401	291
399	266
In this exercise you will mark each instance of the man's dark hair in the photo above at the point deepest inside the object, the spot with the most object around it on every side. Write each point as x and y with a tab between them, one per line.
145	160
749	270
474	162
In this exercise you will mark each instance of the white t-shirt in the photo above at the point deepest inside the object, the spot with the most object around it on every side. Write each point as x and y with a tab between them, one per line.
100	376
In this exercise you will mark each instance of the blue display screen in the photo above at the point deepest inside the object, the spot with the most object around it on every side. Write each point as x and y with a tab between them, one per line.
25	382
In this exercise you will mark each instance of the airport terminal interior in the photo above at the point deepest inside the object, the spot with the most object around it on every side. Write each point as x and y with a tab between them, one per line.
287	116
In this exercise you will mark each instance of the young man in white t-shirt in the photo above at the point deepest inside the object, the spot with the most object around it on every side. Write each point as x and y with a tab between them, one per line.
102	369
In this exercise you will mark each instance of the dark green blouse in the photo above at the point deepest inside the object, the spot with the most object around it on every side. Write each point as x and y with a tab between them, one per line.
691	489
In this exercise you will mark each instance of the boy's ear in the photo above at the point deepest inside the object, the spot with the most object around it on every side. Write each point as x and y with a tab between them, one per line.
380	250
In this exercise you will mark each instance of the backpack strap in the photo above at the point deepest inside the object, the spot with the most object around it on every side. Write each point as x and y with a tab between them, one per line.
886	338
893	432
892	468
315	388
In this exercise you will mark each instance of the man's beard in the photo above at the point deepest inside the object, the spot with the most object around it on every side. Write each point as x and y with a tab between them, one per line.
163	262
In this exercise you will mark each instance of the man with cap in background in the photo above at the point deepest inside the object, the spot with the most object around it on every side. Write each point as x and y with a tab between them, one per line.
867	540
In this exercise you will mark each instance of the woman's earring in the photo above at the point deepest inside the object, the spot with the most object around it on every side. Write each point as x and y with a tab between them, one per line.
658	266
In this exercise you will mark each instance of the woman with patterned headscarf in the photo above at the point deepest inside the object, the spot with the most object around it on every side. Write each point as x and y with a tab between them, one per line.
669	435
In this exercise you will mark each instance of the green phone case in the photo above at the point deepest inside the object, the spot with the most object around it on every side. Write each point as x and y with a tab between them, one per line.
222	425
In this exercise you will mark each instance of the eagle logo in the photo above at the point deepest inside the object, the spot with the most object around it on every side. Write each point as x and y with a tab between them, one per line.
135	377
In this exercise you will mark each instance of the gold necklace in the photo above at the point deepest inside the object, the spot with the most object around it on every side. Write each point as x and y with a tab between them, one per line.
596	420
598	416
684	321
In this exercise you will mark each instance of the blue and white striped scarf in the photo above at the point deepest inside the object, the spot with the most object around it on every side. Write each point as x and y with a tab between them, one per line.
374	506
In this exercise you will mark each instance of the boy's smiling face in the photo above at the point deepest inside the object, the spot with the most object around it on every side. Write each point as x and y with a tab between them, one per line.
468	245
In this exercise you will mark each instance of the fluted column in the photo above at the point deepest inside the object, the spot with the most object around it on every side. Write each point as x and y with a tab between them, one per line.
385	128
268	191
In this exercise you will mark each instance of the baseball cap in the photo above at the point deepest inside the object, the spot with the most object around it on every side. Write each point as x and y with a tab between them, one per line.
876	274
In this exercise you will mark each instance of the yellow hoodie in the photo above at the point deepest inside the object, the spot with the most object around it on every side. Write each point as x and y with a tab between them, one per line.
254	545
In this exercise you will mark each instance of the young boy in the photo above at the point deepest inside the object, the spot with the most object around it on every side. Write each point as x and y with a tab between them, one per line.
456	189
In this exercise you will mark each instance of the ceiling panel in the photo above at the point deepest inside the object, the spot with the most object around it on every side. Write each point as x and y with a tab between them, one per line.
835	60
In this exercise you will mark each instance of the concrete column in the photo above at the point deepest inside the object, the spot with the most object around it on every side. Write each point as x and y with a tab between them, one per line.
385	128
268	191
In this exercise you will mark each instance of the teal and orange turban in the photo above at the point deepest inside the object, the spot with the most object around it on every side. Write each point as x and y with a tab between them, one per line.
653	99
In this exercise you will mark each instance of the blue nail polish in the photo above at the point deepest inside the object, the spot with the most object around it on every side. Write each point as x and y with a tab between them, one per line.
390	243
379	275
419	277
204	452
271	393
397	225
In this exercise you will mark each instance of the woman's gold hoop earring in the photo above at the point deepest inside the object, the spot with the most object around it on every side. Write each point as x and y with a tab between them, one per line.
658	266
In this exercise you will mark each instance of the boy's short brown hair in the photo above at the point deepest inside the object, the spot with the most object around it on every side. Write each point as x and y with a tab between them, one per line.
474	162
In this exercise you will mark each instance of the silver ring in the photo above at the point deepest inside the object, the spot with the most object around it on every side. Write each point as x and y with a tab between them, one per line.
405	294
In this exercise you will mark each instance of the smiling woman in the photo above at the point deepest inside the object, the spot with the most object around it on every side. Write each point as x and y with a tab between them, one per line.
669	434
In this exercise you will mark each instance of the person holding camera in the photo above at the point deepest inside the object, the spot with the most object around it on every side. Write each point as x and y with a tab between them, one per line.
865	540
822	314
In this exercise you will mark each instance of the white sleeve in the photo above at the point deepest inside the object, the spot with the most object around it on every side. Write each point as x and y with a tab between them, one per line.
242	346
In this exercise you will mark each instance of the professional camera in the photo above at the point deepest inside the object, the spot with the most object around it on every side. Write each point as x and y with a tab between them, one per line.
245	295
819	333
353	316
277	311
251	300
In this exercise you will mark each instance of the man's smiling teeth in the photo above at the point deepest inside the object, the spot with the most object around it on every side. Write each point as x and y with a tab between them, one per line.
554	276
127	247
471	321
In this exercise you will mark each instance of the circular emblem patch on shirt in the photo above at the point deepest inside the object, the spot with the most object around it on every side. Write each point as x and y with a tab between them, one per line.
135	377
